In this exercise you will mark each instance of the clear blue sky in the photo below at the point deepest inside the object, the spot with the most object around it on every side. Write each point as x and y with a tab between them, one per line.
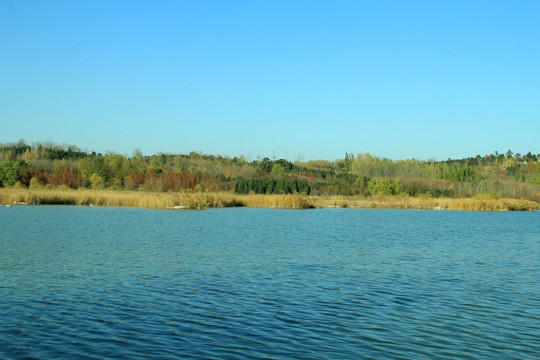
296	79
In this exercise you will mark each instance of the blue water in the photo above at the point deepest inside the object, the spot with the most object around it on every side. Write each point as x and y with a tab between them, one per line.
92	282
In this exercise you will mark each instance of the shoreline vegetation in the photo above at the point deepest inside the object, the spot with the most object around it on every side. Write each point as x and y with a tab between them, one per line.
49	173
205	200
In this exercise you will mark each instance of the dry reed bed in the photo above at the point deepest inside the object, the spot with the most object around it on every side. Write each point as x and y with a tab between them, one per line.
199	200
397	202
150	200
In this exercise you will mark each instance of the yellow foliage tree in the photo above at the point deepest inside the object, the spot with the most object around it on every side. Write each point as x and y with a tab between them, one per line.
96	181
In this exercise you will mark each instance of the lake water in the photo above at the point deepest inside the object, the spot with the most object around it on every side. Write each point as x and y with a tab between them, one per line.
95	282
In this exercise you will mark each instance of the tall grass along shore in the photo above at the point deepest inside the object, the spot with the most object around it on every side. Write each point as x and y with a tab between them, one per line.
203	200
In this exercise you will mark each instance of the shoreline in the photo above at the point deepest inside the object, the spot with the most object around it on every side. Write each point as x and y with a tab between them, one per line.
205	200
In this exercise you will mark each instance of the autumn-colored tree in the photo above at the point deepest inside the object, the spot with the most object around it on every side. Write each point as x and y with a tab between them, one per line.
96	181
134	180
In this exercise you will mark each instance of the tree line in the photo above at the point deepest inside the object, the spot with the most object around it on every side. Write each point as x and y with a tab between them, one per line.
55	165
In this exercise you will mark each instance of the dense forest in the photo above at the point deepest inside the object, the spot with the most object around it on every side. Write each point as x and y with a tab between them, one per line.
54	165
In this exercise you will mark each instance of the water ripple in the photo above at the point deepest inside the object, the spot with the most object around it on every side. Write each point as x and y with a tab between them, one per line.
248	283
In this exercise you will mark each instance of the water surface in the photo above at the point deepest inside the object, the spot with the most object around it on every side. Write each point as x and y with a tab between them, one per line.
99	282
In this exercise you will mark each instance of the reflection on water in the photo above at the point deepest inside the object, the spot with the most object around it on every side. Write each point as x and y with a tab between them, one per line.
260	283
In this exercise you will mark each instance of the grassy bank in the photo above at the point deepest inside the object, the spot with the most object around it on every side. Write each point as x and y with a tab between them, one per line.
203	200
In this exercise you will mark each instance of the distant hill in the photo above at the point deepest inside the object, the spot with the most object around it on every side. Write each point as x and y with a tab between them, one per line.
53	165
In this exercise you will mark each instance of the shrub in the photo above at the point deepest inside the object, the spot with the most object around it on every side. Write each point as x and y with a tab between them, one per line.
383	186
35	183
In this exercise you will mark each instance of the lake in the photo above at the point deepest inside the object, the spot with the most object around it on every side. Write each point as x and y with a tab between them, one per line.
97	282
